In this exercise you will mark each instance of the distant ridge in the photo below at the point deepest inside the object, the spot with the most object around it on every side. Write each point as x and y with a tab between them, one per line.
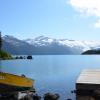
46	46
92	52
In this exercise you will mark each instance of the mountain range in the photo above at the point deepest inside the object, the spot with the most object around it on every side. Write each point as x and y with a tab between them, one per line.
46	46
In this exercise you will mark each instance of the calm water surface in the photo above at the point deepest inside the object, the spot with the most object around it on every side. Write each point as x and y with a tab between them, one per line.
56	74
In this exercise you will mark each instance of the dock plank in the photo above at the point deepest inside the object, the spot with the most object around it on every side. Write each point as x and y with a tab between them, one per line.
89	76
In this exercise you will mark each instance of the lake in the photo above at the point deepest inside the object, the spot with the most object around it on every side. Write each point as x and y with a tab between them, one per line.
53	73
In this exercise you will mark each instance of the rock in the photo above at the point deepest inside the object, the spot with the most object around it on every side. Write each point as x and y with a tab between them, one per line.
68	99
29	57
50	96
36	97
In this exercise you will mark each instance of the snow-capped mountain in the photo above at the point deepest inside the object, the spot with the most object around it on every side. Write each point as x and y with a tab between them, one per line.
84	45
46	45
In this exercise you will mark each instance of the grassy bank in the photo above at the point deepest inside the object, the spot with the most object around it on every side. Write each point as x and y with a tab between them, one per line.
4	55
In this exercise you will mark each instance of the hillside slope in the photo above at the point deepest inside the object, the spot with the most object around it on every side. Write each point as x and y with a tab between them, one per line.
4	55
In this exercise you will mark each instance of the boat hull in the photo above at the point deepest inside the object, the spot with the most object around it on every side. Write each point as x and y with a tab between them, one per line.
11	83
9	88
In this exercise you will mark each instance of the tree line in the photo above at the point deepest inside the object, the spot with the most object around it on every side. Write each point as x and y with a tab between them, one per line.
0	41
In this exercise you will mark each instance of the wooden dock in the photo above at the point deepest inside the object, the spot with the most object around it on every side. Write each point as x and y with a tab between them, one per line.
88	85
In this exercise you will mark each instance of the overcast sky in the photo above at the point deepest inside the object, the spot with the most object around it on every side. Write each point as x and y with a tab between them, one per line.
71	19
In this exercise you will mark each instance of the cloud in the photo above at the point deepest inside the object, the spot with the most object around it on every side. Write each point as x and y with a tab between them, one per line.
90	7
87	7
97	24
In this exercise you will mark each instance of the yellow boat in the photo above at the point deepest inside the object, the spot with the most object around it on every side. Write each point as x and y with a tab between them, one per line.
11	83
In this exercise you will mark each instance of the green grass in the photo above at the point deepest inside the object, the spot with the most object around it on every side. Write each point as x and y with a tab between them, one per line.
4	55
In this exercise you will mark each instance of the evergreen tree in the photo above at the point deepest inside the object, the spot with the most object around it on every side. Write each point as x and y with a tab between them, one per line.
0	41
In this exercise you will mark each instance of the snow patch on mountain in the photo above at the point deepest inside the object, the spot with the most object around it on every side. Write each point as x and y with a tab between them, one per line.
41	41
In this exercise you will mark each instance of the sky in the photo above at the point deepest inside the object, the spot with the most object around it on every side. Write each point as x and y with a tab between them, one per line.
70	19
